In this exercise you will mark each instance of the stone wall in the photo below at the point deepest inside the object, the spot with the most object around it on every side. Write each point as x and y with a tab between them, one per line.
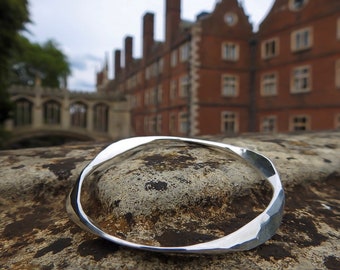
148	204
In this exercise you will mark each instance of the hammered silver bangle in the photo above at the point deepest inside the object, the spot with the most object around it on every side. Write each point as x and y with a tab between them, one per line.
254	233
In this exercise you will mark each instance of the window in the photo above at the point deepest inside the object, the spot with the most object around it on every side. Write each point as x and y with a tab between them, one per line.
146	97
146	124
52	113
184	86
100	117
337	73
173	89
78	113
23	112
301	80
270	48
184	52
268	124
269	84
229	85
229	122
230	18
300	123
160	66
173	60
159	94
147	73
337	121
230	51
159	124
153	96
301	39
172	123
297	4
183	123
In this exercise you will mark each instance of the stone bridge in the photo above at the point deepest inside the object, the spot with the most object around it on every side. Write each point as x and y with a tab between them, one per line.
41	111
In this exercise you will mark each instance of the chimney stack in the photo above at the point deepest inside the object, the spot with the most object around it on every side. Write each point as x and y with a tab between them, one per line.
117	61
173	19
148	33
128	51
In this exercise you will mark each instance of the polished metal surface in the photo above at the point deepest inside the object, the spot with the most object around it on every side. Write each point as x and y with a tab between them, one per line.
254	233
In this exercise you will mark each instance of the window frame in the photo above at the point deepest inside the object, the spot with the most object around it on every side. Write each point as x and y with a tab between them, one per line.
235	84
337	74
173	93
183	119
235	55
300	90
337	121
295	44
23	112
183	93
266	127
294	126
266	81
184	52
235	120
174	58
267	54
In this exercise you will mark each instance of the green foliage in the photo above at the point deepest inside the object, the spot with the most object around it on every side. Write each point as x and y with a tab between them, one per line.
46	62
13	16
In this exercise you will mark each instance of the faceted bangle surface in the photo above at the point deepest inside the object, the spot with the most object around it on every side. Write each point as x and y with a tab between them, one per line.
254	233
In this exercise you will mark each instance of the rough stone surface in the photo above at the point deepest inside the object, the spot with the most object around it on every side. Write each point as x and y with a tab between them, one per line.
35	232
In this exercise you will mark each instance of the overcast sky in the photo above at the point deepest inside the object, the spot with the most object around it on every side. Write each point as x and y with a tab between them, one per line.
87	29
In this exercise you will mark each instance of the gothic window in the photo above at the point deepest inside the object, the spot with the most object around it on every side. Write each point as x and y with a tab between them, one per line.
100	117
23	112
78	113
52	111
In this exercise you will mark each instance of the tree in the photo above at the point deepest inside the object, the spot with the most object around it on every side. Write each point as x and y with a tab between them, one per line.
13	16
46	62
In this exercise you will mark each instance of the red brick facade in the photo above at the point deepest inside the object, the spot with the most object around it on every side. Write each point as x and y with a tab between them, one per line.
216	76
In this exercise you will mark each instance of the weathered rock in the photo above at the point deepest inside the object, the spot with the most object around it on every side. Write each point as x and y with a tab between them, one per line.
35	232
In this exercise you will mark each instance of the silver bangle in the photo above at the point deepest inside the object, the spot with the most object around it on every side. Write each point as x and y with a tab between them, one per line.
254	233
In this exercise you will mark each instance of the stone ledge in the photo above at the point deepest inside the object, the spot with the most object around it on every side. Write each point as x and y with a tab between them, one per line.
37	234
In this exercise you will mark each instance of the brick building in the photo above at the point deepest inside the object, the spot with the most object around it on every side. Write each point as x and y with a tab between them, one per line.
216	76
